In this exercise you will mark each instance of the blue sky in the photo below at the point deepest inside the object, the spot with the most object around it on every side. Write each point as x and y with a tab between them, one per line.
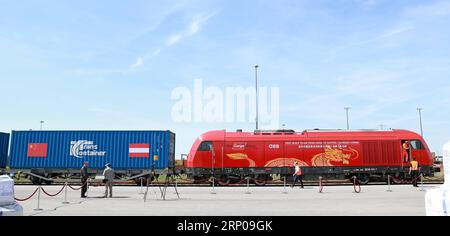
113	64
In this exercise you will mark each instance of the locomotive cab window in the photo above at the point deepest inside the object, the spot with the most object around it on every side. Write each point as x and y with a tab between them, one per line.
417	145
205	146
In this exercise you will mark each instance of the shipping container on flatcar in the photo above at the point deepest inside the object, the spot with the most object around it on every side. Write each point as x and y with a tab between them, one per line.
51	153
4	144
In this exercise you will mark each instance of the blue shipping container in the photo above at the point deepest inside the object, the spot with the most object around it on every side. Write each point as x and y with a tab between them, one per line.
125	150
4	143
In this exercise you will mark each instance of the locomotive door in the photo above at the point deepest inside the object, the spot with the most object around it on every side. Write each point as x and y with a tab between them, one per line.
417	150
218	153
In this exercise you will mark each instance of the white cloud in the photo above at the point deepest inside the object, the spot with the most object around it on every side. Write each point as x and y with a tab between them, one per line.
174	39
192	28
385	35
139	62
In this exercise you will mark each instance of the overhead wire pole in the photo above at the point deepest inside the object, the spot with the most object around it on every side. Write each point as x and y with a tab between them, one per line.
348	124
420	119
42	122
257	97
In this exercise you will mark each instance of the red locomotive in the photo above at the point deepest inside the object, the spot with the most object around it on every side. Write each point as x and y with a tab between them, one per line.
366	154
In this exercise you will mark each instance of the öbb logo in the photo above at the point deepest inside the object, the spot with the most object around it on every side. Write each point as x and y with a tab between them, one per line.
274	146
82	148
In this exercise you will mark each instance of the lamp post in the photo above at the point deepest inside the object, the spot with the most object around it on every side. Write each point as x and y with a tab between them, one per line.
348	124
420	119
257	97
42	123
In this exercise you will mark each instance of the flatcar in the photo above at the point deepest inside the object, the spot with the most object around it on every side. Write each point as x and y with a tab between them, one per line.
369	155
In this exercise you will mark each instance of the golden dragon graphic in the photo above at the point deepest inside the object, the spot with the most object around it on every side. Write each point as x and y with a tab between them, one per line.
334	155
242	156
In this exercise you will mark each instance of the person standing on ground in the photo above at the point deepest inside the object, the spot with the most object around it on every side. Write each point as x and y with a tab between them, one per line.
297	175
108	173
84	178
414	171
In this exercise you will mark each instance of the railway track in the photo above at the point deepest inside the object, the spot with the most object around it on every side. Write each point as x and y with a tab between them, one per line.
272	184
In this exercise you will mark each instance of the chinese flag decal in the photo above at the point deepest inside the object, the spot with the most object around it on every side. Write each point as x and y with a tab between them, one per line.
37	149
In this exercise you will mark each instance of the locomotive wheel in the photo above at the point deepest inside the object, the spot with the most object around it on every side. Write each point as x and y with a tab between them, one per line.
260	181
200	180
364	179
224	181
396	180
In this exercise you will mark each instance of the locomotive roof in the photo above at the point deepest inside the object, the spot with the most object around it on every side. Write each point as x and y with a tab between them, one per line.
311	134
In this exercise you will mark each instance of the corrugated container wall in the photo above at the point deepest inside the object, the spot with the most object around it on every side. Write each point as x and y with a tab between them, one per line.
125	150
4	143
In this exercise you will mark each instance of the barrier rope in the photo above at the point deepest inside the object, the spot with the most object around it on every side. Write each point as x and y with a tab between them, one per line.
76	189
53	195
356	185
28	198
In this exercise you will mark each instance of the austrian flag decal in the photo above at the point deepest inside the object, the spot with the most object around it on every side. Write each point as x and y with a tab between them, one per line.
139	150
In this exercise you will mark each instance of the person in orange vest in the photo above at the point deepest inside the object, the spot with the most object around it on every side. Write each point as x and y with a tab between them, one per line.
297	175
414	171
405	154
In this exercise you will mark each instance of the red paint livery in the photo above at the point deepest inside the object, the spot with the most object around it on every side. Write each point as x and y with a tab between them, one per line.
319	151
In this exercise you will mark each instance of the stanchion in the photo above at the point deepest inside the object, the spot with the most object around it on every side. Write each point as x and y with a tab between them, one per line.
87	188
320	184
39	200
65	194
421	182
284	186
142	192
248	186
213	185
389	184
176	187
146	191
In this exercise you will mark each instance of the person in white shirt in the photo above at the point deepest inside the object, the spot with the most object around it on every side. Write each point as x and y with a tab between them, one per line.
297	175
108	173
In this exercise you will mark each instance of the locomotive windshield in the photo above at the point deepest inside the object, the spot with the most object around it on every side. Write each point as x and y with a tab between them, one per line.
417	145
205	146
